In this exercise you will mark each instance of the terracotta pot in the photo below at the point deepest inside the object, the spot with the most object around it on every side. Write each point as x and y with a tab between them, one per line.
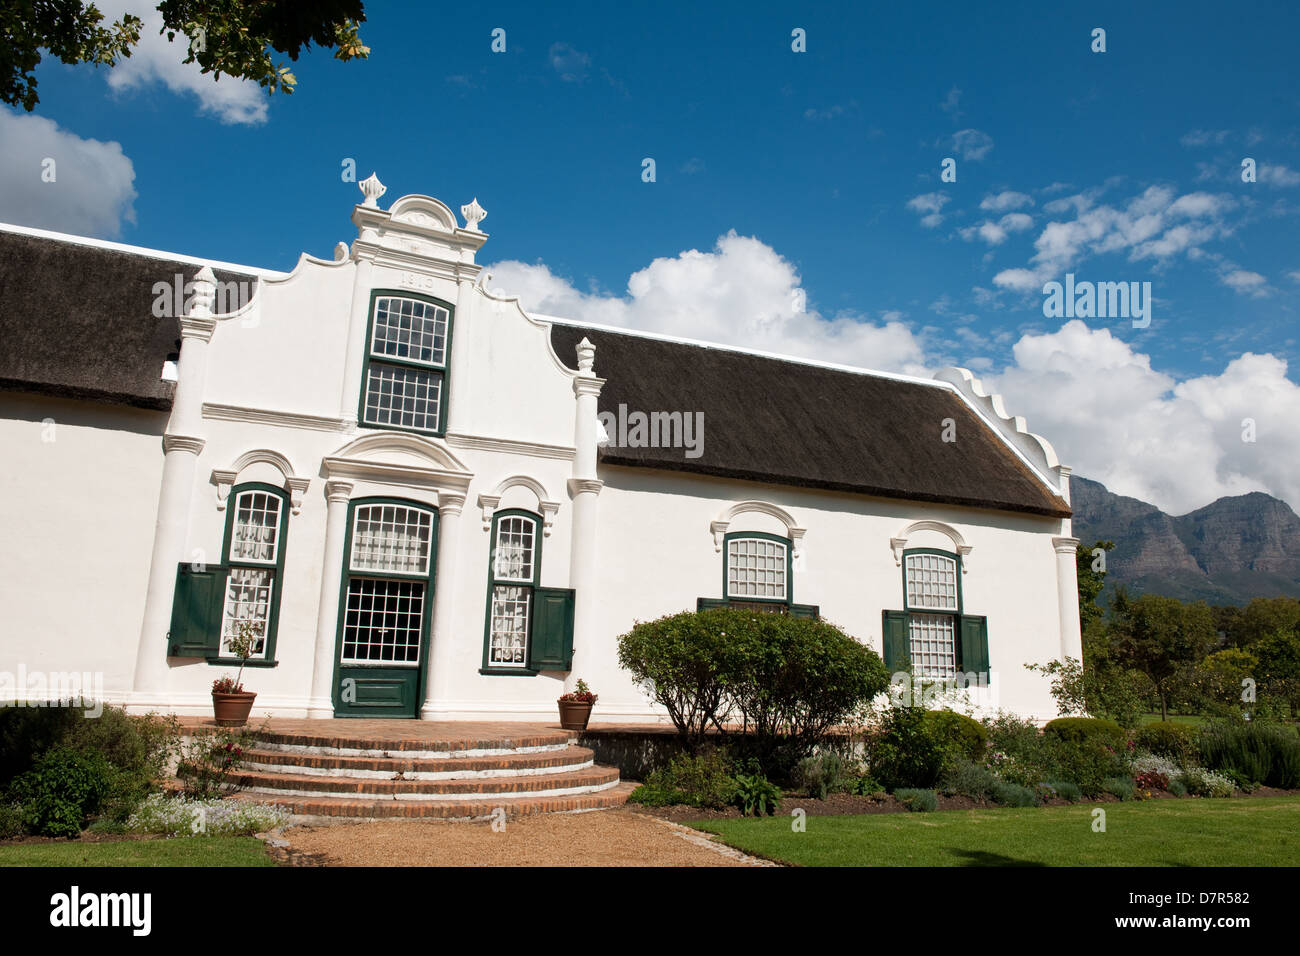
231	710
574	714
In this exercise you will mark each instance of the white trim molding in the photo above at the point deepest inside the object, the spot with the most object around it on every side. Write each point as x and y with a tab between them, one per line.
225	478
511	446
899	542
370	458
261	416
718	527
548	507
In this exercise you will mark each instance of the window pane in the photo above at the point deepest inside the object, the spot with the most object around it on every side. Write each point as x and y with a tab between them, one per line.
383	621
932	582
254	535
248	598
391	538
410	329
514	549
405	397
933	644
509	640
756	568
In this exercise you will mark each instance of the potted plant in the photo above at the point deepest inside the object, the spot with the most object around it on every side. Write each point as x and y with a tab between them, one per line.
231	704
575	707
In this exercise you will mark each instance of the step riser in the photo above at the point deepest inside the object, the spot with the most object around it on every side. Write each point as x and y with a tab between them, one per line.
398	754
476	797
417	774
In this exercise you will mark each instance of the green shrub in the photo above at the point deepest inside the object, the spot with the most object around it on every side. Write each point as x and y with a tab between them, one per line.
1261	753
757	795
1081	729
62	790
698	780
917	801
1204	783
1014	795
1168	739
822	774
969	779
11	820
906	751
1121	787
1066	790
867	786
966	735
1177	787
1087	763
789	678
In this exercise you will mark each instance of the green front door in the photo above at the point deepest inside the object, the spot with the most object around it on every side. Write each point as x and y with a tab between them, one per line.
385	608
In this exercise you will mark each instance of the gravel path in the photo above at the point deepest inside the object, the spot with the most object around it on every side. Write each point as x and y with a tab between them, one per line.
620	837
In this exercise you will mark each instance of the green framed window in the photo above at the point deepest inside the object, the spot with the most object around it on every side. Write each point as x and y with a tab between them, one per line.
758	573
404	379
212	602
932	635
528	628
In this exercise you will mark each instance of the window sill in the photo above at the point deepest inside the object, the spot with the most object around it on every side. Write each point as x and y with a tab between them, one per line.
235	662
508	671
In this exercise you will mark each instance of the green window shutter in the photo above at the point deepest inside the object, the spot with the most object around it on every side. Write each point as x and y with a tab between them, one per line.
196	611
974	644
895	645
805	610
552	639
708	604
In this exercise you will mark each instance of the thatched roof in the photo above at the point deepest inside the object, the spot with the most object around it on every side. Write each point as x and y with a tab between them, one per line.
77	320
796	423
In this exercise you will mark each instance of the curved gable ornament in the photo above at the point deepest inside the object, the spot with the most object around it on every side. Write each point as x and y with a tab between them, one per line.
402	459
545	505
959	545
225	478
424	212
720	524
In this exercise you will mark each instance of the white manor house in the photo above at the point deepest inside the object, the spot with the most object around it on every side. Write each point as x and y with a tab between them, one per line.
436	505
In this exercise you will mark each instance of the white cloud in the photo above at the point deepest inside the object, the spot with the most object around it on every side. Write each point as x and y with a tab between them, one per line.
972	144
1156	224
928	206
995	233
1142	433
1275	174
157	60
1246	282
1008	199
951	102
741	293
93	189
569	62
1204	137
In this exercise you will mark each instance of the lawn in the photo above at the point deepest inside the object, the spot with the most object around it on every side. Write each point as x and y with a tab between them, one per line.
181	851
1184	832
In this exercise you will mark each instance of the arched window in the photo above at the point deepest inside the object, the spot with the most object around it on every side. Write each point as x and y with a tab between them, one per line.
931	633
213	601
528	628
404	383
758	573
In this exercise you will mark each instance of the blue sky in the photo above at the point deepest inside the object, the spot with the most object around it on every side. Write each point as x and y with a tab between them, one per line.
1115	166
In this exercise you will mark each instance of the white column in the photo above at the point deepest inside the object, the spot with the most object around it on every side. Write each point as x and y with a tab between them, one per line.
1067	592
358	319
584	489
181	448
460	362
337	494
440	669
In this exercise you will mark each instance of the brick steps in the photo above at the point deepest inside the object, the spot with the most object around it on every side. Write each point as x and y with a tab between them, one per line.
332	809
419	768
320	770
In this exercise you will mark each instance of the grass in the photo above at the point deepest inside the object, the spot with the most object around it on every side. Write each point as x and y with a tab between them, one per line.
1194	720
181	851
1187	832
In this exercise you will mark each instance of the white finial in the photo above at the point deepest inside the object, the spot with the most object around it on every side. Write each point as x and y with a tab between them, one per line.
586	355
340	252
474	214
372	189
205	292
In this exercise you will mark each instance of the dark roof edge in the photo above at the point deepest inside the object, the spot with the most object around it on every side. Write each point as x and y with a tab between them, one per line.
99	396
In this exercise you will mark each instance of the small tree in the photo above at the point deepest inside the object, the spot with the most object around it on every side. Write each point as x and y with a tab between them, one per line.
1279	666
1091	576
1159	636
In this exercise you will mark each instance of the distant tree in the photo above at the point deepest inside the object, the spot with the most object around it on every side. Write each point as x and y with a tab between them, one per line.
1092	578
1215	685
1264	617
1227	621
226	37
1279	666
1159	636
